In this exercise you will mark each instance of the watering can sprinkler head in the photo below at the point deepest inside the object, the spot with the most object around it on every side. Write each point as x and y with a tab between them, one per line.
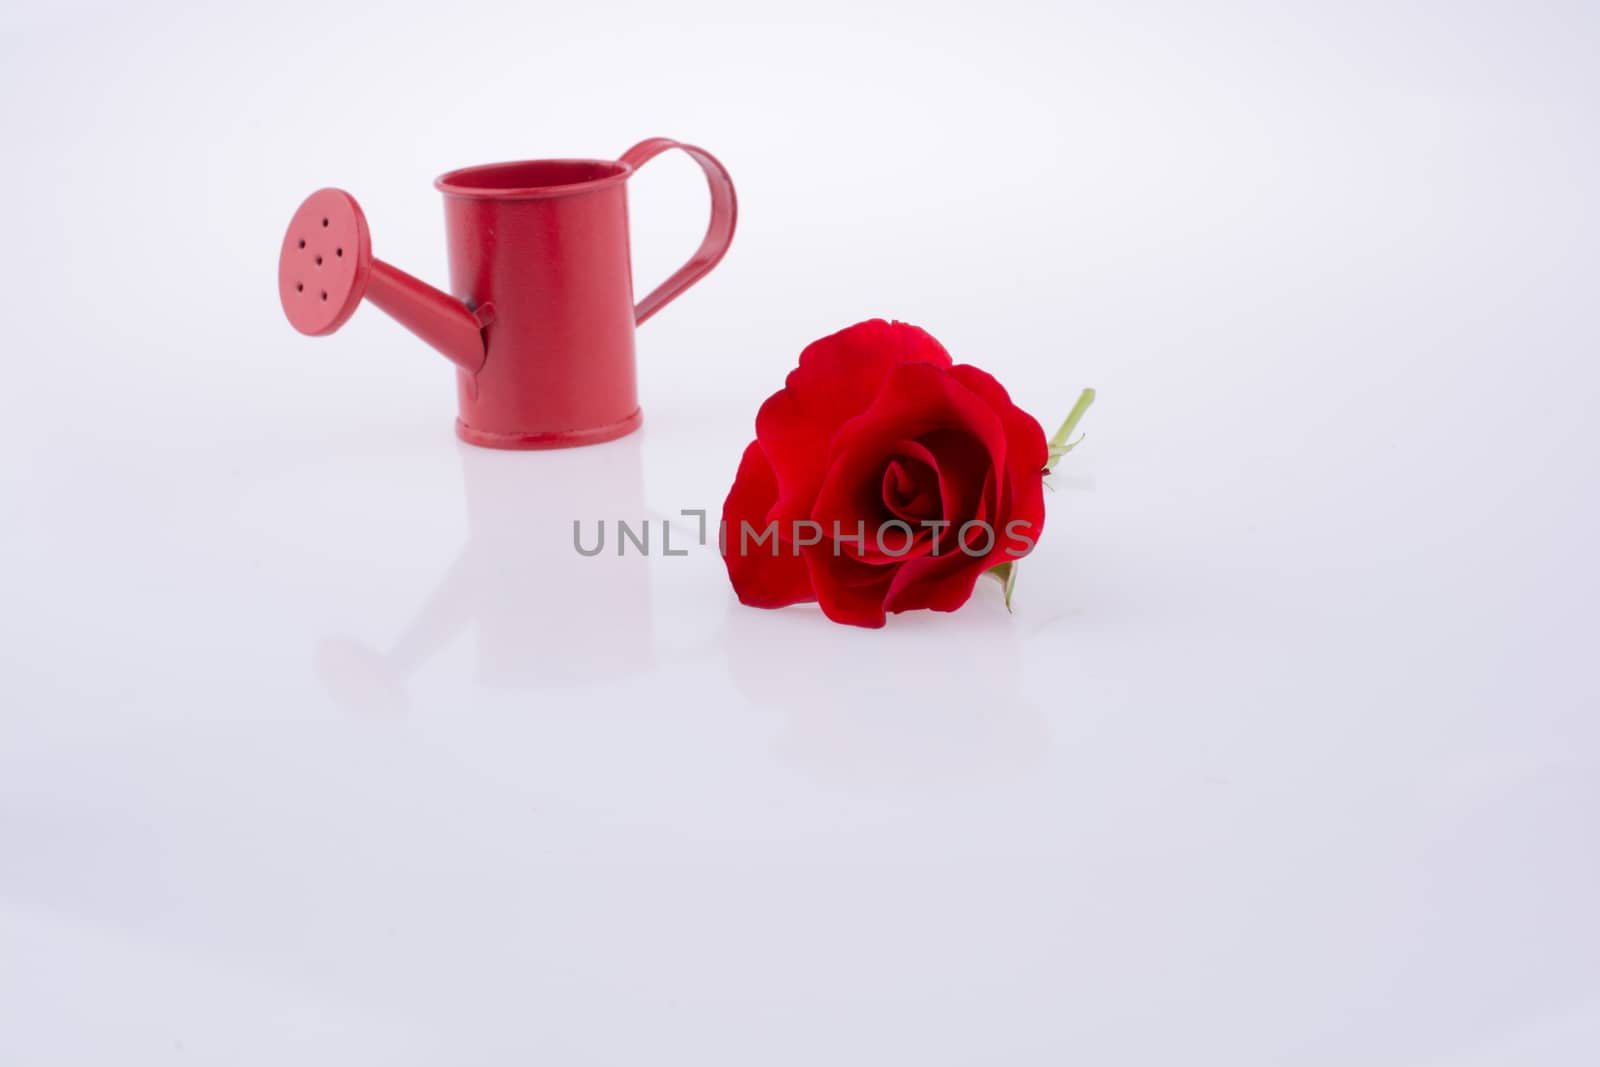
326	268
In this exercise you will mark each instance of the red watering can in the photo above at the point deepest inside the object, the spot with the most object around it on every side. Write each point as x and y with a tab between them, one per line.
541	324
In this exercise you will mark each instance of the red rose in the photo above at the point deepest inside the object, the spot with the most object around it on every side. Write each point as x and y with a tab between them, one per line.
882	478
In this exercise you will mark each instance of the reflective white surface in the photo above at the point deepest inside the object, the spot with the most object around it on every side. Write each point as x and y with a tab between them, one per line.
320	744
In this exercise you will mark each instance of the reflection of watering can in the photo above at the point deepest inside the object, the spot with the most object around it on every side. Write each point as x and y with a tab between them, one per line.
542	335
539	614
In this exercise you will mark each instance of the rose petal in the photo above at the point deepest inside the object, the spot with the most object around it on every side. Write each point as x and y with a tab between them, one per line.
848	590
943	581
933	584
1027	447
769	575
927	405
964	466
917	402
838	377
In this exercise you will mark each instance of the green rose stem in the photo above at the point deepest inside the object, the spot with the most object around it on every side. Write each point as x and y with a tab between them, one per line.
1060	445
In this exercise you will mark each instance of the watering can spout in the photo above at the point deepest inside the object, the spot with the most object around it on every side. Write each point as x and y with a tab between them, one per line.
326	268
444	322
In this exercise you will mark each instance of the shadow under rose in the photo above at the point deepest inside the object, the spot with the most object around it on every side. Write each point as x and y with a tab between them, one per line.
932	700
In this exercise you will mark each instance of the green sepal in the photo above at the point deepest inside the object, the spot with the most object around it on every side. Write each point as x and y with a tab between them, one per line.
1006	575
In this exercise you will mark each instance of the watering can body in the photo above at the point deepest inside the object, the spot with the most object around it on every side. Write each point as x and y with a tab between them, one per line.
540	317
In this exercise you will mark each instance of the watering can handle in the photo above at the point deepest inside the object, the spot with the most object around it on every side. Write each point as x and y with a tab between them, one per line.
719	234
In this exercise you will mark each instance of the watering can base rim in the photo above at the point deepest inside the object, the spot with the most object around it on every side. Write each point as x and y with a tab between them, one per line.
593	435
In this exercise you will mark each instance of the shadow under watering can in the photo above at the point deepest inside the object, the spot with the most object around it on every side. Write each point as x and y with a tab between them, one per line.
541	614
541	323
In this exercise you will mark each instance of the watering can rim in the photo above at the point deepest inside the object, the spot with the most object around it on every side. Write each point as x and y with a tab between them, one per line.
448	183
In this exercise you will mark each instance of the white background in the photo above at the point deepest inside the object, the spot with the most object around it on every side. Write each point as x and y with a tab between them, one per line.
319	745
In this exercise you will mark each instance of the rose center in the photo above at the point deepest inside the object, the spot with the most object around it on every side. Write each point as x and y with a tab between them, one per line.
911	489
